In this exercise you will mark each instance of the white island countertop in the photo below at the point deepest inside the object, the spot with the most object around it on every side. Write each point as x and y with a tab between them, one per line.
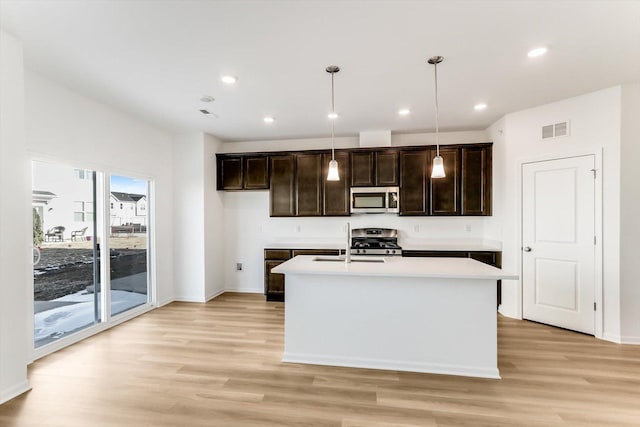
450	268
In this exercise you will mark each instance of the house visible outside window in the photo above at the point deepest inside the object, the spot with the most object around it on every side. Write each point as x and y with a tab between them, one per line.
111	205
82	211
121	207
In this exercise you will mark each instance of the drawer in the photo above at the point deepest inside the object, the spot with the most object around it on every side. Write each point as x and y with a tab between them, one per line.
283	254
436	254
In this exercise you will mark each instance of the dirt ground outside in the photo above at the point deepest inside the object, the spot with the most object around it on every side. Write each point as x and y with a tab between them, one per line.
67	267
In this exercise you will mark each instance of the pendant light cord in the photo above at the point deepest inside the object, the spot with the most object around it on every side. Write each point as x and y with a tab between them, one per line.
333	110
435	67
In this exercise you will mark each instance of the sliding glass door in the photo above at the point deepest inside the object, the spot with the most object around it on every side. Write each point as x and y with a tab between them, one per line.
66	290
128	243
90	234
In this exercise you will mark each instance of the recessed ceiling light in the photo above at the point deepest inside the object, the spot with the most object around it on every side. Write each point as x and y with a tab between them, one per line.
207	98
539	51
480	107
404	112
332	116
269	119
229	79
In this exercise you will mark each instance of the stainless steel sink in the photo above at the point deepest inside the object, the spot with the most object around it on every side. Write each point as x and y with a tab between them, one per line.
341	259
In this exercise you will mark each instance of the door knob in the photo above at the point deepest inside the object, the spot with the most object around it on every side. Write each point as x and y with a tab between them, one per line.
527	249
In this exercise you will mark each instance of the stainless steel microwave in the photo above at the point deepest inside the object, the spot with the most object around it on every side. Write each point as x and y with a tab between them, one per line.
375	200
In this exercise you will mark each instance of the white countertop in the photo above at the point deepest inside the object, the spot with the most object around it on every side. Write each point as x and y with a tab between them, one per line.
450	268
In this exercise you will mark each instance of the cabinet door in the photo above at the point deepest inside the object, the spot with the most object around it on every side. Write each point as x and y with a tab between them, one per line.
435	254
309	184
282	186
229	173
413	183
476	181
362	169
386	167
336	193
256	172
445	192
273	282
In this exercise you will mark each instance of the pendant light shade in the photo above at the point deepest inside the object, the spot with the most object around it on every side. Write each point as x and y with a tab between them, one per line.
437	169
333	174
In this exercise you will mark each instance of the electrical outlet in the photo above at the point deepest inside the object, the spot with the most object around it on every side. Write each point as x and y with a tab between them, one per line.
416	228
238	266
467	228
298	228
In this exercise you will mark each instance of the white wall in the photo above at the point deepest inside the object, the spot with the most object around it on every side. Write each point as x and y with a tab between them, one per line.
248	229
67	127
630	215
198	219
595	127
15	212
397	140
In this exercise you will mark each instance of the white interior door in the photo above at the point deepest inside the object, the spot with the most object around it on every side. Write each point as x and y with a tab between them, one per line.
558	229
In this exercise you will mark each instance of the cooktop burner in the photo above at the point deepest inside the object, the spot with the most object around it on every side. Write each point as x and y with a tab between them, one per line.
375	241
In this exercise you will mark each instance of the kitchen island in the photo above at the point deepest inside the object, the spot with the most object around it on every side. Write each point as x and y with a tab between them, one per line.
433	315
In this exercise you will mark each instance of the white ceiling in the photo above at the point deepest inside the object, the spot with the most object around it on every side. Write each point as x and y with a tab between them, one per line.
155	59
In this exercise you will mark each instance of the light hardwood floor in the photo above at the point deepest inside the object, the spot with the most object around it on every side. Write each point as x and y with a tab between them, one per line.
218	364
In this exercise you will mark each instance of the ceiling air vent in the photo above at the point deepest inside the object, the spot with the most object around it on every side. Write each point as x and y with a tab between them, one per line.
555	130
209	114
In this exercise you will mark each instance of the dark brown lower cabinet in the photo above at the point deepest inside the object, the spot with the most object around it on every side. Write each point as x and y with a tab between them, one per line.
274	282
487	257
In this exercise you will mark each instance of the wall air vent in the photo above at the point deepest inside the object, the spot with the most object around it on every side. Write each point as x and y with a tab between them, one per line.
555	130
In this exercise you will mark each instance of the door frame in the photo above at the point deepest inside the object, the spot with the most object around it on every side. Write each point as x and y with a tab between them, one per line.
598	269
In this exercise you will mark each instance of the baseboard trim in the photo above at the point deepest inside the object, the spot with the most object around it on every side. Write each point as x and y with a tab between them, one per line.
393	365
245	290
612	338
215	294
189	299
15	391
627	339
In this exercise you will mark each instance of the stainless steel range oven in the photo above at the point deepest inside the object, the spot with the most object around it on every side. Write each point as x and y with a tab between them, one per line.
375	241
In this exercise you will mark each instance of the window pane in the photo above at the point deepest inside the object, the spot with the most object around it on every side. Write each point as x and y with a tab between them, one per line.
65	297
128	243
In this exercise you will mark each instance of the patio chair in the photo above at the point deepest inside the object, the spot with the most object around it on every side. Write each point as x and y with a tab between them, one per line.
56	234
78	234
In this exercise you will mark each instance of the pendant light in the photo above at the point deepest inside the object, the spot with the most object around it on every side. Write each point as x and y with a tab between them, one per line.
333	174
437	170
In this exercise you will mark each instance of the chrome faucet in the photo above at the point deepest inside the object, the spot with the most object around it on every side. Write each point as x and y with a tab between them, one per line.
347	251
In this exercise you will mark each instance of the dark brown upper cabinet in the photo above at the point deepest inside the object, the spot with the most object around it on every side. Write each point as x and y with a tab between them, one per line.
445	192
238	172
229	172
476	180
309	182
386	165
374	168
336	193
256	173
282	200
413	182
